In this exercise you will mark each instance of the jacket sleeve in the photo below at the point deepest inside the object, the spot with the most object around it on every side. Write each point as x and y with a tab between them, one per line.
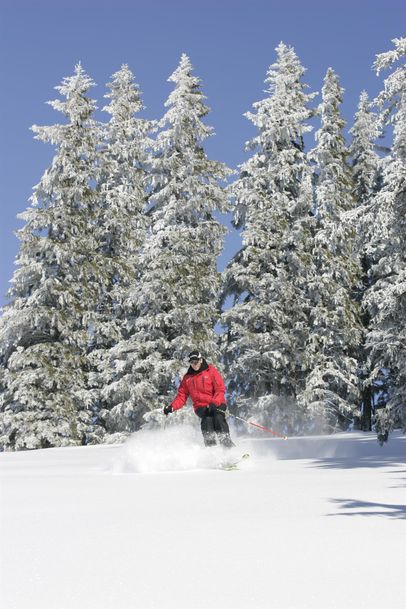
182	396
219	388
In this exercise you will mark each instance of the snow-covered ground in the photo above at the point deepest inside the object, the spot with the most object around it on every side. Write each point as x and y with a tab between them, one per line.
307	523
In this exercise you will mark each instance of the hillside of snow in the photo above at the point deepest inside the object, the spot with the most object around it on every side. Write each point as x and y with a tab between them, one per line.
306	523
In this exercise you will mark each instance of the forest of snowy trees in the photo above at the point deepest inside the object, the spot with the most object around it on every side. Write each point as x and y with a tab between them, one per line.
117	279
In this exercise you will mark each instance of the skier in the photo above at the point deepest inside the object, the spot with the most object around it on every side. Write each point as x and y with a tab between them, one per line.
204	384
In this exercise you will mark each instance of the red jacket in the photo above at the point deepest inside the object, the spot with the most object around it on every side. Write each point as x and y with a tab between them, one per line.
204	387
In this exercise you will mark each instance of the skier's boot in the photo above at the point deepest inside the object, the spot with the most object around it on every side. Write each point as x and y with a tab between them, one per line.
225	440
209	438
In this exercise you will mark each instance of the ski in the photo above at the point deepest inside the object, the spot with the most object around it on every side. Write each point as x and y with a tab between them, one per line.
233	465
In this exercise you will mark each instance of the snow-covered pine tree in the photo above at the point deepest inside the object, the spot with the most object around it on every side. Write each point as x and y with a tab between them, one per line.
177	300
366	179
332	387
122	190
266	329
44	332
362	151
386	298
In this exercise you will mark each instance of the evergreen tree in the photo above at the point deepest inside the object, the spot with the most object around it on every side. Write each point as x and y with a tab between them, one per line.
386	298
122	190
366	182
44	332
332	385
267	326
176	301
362	151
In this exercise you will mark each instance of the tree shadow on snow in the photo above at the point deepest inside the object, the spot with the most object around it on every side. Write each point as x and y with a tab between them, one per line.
402	481
355	507
358	462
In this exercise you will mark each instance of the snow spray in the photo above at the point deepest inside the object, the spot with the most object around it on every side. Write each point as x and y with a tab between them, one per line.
174	449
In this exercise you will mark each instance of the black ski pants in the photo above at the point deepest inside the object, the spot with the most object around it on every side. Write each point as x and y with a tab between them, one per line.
214	426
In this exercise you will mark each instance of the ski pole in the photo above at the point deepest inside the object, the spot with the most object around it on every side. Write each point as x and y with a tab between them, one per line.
275	433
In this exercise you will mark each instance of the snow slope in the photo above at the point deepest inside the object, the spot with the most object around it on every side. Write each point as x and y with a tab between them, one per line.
307	523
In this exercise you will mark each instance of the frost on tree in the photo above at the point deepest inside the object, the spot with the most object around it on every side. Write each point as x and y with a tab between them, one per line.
386	298
362	151
177	299
122	193
266	328
44	331
366	176
332	387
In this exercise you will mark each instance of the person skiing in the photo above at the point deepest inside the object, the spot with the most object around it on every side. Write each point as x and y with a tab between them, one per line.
203	383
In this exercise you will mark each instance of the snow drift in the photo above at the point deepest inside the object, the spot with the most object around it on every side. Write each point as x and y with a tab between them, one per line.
309	524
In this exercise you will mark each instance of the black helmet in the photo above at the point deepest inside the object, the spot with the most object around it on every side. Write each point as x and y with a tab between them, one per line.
194	356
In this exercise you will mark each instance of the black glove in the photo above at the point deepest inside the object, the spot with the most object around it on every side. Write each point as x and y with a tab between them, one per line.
168	410
214	410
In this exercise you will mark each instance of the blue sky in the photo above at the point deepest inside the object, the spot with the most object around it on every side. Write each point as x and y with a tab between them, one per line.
230	42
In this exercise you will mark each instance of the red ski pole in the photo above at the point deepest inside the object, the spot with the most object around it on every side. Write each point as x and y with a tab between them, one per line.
275	433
